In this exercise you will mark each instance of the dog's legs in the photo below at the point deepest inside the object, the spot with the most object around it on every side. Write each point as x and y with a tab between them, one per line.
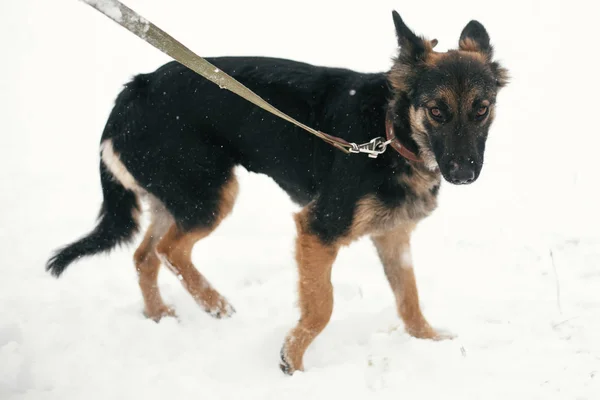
315	260
394	252
147	264
175	251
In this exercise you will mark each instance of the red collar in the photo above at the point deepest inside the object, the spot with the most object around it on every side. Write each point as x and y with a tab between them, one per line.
395	142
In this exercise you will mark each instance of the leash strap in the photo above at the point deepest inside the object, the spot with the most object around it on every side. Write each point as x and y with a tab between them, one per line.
164	42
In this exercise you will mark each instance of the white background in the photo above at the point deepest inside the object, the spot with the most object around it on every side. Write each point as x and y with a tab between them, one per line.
527	328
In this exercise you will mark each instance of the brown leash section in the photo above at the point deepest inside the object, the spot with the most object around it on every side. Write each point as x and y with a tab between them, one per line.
158	38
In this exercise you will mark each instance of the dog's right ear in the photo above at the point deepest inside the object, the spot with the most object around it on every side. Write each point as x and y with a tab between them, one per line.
412	47
474	37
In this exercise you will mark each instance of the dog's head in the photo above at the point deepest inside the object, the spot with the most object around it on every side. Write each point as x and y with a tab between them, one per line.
450	96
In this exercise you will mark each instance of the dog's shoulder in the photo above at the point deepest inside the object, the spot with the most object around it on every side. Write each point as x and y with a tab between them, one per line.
403	197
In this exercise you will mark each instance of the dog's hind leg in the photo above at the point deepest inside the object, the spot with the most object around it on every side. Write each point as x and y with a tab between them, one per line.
175	251
147	263
394	252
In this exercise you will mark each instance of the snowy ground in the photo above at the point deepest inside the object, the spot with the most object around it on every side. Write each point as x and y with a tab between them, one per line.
510	264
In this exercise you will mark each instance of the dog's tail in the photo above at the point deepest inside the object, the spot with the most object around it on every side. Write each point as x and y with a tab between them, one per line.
116	225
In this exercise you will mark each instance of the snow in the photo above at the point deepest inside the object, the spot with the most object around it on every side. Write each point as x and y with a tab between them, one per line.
510	264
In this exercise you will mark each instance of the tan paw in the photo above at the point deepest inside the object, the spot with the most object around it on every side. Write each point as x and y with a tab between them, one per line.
286	362
160	312
217	306
427	332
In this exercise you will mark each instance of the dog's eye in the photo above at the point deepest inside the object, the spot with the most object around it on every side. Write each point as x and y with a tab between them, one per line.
481	111
435	112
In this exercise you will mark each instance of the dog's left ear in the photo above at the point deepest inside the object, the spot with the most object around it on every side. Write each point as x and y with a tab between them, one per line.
475	38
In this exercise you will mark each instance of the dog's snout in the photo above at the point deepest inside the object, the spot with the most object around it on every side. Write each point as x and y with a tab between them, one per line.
461	173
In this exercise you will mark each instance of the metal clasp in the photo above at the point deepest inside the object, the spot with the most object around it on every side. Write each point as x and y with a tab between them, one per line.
373	148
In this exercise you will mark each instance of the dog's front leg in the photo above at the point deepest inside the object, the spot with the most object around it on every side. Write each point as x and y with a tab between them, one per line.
393	248
315	260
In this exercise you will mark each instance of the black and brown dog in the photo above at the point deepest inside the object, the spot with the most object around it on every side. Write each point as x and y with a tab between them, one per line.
173	139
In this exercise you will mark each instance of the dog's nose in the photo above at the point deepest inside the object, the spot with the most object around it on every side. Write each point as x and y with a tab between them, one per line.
461	174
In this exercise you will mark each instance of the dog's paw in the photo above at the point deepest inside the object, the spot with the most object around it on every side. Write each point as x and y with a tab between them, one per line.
218	307
285	363
427	332
441	334
159	313
225	310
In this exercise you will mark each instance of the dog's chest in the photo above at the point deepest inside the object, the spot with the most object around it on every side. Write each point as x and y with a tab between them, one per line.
407	202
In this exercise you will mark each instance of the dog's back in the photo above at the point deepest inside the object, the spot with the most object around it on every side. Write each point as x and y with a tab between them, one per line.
174	107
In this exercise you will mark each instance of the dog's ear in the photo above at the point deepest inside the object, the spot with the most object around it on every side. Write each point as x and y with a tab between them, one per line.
474	37
412	47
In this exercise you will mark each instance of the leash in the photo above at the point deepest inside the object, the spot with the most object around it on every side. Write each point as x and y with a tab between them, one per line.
164	42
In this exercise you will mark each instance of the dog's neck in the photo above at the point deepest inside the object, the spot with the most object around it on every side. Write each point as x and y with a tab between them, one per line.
424	181
399	108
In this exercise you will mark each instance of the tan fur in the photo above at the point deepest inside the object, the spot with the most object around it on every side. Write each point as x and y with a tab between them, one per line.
374	217
433	58
449	96
315	260
492	113
147	265
397	76
393	248
469	98
468	44
502	76
175	251
478	56
420	202
419	135
113	162
165	242
399	72
429	44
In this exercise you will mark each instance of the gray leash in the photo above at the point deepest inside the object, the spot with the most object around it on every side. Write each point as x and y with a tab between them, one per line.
164	42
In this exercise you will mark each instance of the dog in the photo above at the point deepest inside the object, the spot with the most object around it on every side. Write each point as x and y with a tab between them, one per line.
173	140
